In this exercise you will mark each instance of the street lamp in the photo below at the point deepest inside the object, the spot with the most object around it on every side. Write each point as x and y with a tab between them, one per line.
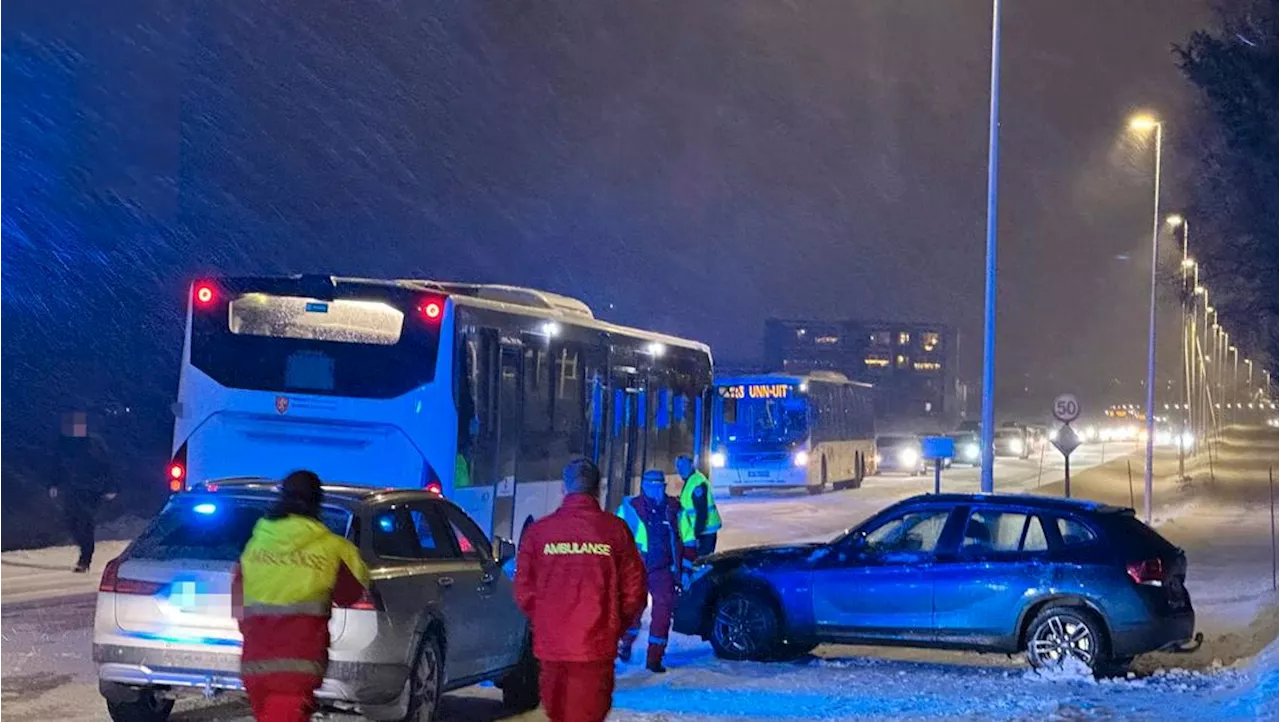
1143	124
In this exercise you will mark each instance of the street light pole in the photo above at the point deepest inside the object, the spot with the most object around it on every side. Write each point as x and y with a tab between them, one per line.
989	316
1151	322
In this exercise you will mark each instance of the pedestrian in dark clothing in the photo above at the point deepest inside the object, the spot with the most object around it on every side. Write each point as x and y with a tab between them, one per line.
81	479
581	582
667	544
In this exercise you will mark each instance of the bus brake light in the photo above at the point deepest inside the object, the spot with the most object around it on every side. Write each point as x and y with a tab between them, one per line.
431	310
204	294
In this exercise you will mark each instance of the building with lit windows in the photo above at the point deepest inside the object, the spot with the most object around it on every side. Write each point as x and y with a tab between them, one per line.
911	364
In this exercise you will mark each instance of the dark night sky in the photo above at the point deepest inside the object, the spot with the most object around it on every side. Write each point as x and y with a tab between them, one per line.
700	166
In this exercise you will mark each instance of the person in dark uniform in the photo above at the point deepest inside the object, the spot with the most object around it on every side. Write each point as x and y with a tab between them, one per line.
81	479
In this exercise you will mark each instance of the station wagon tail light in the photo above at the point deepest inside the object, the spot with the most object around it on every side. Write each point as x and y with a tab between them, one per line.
435	488
367	602
431	480
1149	572
113	583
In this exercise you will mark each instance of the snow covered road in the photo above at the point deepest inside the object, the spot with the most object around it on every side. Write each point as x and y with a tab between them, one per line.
1223	524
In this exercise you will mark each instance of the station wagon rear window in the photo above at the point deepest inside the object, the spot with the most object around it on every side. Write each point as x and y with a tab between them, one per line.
209	528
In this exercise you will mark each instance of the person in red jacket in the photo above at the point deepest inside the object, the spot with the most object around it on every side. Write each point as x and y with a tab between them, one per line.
581	582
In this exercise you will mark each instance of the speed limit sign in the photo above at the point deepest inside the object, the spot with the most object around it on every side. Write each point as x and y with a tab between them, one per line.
1066	409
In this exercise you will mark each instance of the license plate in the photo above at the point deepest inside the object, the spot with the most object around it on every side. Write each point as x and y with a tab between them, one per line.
757	475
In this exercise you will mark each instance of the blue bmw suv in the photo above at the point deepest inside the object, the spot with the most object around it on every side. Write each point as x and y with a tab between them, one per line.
1059	579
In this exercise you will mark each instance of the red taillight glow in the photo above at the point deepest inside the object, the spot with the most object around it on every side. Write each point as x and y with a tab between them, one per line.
366	602
435	487
204	294
178	470
114	584
431	310
1149	571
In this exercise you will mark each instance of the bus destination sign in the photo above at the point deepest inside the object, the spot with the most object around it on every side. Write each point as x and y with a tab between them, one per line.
756	391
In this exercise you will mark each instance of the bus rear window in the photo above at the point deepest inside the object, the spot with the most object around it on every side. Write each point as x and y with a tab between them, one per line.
353	347
209	528
341	321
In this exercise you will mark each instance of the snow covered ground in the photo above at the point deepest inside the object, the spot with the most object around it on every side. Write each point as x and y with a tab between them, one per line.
1223	524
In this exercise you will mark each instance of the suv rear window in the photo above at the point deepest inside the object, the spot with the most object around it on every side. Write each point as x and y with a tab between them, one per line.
1129	531
211	528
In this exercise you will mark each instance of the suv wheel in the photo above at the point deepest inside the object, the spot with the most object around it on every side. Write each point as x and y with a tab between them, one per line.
520	686
424	681
1059	636
744	626
147	707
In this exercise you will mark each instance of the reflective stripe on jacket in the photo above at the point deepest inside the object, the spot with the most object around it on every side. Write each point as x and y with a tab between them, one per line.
677	523
695	480
291	572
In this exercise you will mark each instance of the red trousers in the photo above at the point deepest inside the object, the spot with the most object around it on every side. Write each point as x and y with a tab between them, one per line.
275	702
576	691
662	587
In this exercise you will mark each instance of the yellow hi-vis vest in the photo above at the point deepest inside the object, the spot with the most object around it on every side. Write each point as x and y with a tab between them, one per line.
627	512
695	480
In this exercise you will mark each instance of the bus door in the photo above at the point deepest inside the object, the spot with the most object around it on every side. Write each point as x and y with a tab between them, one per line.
624	441
508	447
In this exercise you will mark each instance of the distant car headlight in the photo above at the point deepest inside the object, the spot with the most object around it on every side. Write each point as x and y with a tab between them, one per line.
718	460
1053	435
1016	446
1164	438
878	459
970	452
1187	439
908	457
801	458
1090	433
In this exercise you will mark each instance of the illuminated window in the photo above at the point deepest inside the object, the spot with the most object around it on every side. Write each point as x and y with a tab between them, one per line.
827	340
927	365
875	362
930	340
902	361
904	338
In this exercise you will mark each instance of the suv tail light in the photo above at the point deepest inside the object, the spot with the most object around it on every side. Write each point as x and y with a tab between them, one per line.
1150	572
114	584
367	602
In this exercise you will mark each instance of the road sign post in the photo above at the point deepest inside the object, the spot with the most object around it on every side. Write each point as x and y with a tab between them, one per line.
1066	408
939	449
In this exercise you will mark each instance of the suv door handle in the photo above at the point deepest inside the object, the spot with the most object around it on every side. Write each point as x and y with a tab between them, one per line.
445	582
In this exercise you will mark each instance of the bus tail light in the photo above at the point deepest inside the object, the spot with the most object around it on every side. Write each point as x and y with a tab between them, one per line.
204	294
178	470
431	309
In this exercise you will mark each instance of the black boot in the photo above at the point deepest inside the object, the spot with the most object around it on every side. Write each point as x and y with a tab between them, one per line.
653	659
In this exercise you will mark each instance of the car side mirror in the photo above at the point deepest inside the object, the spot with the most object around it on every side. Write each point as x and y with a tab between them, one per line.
503	550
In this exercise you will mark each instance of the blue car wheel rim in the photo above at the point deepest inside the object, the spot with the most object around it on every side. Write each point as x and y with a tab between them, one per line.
1060	638
741	625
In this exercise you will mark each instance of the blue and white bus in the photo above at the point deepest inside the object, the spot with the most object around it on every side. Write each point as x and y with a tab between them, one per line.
480	392
813	431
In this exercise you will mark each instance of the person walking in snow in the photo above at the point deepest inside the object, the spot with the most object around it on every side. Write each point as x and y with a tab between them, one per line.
81	480
580	581
666	540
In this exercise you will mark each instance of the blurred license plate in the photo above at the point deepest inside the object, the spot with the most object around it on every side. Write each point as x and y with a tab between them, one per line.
757	475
